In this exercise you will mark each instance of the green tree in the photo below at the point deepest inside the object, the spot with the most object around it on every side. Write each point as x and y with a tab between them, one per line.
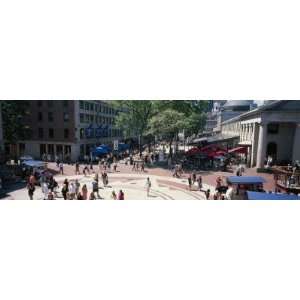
133	117
13	112
167	124
194	112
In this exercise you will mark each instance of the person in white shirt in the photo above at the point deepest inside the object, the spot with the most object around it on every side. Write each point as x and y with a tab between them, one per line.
148	186
229	193
45	190
72	190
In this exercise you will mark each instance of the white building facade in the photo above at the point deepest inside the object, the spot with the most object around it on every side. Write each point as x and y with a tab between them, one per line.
271	130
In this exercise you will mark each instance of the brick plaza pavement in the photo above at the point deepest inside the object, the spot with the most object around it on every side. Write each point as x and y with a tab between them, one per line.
164	185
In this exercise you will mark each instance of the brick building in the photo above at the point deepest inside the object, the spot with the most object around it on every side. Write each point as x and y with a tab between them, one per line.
66	128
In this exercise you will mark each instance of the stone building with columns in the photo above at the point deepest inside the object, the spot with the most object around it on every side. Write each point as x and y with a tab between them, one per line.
272	130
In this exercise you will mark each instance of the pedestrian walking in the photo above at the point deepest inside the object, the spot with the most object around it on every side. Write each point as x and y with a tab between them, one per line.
143	167
77	171
64	191
190	182
92	196
61	168
31	189
115	167
207	194
84	192
85	170
133	167
199	181
113	195
194	177
96	188
45	190
121	195
148	186
77	187
72	190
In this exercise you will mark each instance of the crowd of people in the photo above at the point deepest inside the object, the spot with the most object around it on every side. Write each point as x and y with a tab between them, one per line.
71	189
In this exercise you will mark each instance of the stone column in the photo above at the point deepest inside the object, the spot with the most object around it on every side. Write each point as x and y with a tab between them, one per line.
262	145
296	146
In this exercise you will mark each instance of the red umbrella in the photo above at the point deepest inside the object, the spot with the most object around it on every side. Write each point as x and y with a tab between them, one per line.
241	150
193	151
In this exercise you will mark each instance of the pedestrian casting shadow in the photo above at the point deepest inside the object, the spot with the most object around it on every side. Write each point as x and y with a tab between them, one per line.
152	196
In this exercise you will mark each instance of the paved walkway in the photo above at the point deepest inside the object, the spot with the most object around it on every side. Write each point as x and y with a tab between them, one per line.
164	185
134	188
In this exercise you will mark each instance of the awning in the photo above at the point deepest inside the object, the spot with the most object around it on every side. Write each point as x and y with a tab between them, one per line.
193	151
241	150
270	196
34	163
245	179
199	140
221	138
100	151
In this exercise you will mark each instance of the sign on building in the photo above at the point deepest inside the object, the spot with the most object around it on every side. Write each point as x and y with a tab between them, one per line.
116	145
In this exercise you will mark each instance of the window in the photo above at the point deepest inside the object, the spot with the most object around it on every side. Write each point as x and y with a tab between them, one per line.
50	116
81	117
100	108
50	103
40	103
40	116
40	133
66	117
66	133
91	118
86	106
51	133
81	104
65	103
82	133
273	128
92	106
96	107
87	118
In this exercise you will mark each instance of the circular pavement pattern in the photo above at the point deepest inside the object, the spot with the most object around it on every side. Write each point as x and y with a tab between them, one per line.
133	186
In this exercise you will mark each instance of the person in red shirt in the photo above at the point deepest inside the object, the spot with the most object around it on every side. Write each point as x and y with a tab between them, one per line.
121	195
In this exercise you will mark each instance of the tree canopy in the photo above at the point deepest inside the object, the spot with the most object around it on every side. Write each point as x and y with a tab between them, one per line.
12	113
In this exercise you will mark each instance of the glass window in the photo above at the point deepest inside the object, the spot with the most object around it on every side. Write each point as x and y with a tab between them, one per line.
41	133
81	104
92	106
86	106
40	116
81	117
91	118
39	103
50	116
82	133
66	103
66	133
50	103
51	133
66	117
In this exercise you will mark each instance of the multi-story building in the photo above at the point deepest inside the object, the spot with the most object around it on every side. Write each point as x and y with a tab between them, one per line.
272	129
67	129
1	130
